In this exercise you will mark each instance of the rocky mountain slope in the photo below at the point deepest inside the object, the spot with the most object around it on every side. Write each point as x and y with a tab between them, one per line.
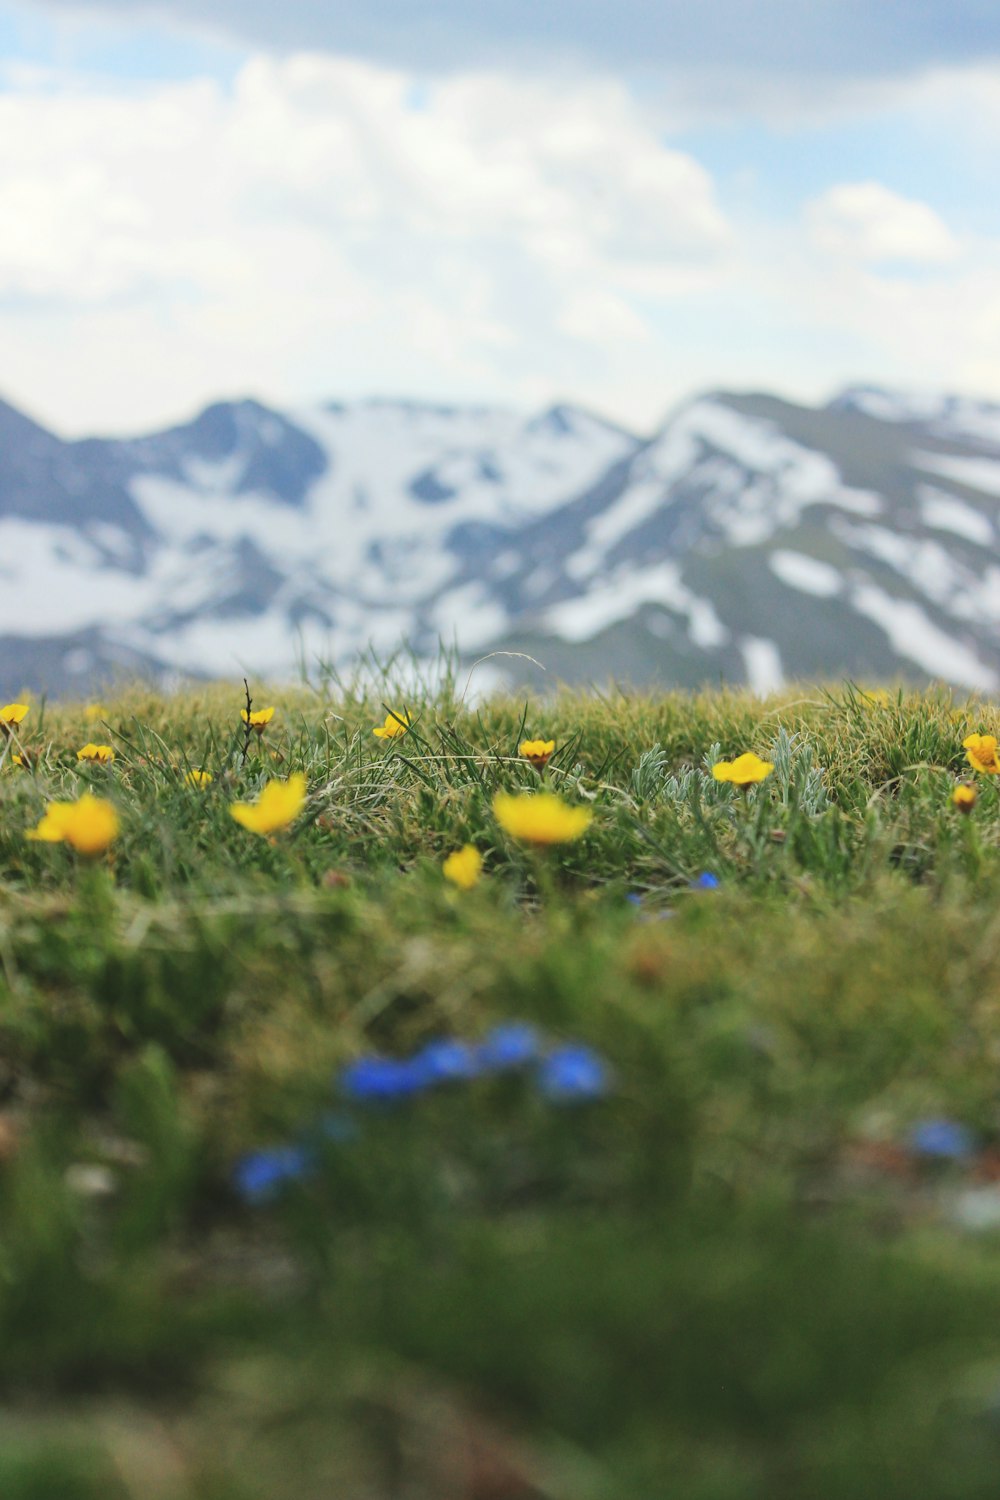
749	539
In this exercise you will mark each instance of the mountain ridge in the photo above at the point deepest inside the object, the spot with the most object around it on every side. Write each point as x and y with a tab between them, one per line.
749	537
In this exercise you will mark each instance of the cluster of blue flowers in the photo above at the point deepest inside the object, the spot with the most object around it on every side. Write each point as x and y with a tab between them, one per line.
567	1074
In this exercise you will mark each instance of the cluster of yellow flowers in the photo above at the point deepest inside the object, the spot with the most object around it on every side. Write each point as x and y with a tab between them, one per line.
539	819
90	824
981	753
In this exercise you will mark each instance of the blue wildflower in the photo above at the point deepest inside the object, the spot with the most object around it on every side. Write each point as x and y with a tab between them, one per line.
706	881
260	1176
380	1078
510	1045
944	1139
444	1061
634	897
573	1074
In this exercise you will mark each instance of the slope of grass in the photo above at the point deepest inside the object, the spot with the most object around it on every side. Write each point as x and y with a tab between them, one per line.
728	1275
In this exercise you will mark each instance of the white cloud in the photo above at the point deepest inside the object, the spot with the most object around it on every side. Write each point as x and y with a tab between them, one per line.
865	221
321	227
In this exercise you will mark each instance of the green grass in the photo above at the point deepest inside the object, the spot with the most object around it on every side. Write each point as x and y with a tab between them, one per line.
728	1279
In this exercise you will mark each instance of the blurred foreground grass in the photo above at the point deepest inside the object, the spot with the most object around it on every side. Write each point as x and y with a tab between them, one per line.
733	1277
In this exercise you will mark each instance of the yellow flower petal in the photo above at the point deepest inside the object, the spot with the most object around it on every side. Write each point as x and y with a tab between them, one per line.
981	753
744	771
12	713
278	805
52	828
464	867
537	751
199	778
88	825
392	726
542	818
103	753
259	718
964	798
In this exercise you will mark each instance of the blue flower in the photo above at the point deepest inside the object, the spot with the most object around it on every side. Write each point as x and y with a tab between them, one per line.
260	1176
381	1078
706	881
573	1074
945	1139
634	897
508	1046
444	1061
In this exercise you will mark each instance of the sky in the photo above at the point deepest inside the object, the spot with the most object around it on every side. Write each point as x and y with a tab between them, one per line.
510	202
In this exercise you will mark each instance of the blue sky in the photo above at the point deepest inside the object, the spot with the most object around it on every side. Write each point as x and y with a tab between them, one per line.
507	202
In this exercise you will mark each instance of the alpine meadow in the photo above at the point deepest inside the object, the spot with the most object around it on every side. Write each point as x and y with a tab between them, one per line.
585	1097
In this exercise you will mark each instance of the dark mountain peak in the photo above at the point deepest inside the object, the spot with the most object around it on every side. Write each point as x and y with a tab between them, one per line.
268	453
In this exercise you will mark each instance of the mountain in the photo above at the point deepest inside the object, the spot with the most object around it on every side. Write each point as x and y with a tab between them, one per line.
749	538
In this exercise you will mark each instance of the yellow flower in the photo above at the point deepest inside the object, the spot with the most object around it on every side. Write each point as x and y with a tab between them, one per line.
878	698
11	714
198	778
744	771
964	798
394	724
278	805
541	818
981	753
88	825
258	719
93	712
537	751
103	753
464	867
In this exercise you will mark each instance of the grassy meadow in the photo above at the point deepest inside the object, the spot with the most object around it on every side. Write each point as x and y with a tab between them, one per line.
717	1217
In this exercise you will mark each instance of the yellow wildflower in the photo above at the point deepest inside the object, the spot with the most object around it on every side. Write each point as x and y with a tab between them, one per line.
88	825
93	712
541	818
981	753
878	698
10	715
103	753
198	778
464	867
539	752
278	805
394	724
258	719
964	798
744	771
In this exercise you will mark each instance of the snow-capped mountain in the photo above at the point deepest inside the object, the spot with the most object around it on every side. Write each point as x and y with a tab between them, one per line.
749	538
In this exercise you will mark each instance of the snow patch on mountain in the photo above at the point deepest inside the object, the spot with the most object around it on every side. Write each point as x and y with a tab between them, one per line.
944	512
981	474
765	480
944	415
762	661
915	637
618	597
807	574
